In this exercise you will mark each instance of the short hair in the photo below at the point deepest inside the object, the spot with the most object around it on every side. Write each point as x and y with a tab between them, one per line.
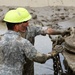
10	26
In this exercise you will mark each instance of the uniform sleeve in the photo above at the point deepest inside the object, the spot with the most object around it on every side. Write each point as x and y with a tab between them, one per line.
29	50
40	30
34	30
32	54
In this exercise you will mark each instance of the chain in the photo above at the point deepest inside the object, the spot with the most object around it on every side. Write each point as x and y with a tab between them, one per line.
56	59
57	65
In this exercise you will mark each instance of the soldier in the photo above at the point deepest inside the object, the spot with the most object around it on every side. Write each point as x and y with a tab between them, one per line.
17	53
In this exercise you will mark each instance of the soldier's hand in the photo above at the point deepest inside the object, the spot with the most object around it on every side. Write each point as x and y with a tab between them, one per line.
65	32
49	31
52	54
56	50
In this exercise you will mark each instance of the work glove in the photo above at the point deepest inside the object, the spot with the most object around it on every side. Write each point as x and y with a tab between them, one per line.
56	50
65	32
72	30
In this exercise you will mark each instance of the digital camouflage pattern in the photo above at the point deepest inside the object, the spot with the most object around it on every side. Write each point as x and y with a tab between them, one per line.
31	32
13	49
17	55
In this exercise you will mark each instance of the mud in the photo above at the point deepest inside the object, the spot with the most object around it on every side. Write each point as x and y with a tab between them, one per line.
49	16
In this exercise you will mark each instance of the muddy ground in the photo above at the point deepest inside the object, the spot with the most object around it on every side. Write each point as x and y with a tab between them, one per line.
49	16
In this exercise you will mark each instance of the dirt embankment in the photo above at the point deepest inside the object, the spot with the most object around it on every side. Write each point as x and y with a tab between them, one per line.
49	16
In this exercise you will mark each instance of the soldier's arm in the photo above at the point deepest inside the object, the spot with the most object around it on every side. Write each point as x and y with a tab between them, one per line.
42	58
48	30
51	31
32	54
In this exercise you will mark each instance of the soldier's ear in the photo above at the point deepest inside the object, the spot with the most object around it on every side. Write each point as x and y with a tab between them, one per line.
16	28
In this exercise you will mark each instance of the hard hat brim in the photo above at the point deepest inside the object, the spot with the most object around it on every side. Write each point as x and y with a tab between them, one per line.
26	19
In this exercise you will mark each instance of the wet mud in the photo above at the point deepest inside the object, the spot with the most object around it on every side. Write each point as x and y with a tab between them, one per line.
44	16
49	16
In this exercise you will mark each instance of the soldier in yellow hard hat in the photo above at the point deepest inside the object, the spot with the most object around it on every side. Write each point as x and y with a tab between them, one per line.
17	20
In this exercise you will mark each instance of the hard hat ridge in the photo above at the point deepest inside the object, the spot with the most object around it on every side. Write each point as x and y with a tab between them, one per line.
24	13
17	16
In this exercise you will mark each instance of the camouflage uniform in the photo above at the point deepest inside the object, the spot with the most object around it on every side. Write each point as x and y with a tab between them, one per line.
13	50
30	34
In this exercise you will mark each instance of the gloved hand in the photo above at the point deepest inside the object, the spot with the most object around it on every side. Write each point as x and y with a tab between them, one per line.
72	30
65	32
56	50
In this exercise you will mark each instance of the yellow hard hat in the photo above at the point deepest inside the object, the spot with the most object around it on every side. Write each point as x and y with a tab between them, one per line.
12	16
15	16
24	13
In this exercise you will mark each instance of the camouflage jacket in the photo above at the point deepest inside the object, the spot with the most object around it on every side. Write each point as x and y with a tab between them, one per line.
12	50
